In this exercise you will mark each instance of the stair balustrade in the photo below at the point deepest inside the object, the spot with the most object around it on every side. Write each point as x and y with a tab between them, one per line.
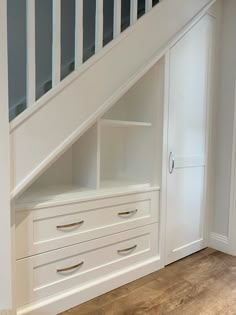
53	38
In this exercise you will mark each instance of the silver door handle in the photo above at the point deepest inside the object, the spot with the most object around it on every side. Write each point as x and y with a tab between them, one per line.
171	162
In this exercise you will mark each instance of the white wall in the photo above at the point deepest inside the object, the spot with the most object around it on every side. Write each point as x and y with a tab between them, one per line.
225	119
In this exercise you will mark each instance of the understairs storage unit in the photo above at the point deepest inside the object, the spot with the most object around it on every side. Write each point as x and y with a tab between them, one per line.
100	143
94	214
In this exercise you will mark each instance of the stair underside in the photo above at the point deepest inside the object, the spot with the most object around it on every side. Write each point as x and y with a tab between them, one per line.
50	130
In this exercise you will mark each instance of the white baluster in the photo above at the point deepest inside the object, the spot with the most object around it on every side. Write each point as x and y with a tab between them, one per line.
148	5
133	11
117	18
78	33
56	45
30	31
99	25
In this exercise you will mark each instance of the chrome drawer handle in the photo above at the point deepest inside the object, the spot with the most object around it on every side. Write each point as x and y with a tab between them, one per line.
67	226
120	251
70	268
128	212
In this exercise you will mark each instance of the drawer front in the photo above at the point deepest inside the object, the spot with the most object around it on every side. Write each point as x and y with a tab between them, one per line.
42	230
45	274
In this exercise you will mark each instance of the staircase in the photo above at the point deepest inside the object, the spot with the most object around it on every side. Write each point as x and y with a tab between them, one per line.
49	125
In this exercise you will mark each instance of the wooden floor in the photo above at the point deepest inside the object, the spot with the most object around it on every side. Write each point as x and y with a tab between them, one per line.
204	283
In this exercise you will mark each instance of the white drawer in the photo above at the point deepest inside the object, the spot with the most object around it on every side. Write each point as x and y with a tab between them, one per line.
39	276
42	230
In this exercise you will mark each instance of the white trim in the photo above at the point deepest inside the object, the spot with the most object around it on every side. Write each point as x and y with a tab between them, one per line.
209	168
30	30
219	242
163	192
219	237
95	58
56	43
61	302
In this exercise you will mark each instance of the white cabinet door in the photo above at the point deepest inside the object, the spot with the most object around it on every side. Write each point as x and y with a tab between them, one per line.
187	141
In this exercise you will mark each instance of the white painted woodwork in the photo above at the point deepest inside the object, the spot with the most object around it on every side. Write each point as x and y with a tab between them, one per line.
131	133
117	161
133	11
116	123
78	33
114	167
99	26
78	113
148	5
187	139
117	18
5	212
120	151
77	295
84	172
37	232
31	63
37	276
56	43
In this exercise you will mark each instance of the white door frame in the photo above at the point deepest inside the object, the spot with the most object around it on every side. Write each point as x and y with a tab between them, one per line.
5	212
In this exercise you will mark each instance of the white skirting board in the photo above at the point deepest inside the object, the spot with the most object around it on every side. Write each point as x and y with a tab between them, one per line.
219	242
77	295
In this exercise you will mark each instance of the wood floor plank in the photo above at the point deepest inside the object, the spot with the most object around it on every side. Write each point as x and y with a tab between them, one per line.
201	284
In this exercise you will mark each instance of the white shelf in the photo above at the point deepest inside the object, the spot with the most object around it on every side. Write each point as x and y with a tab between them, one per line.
60	194
120	183
120	123
51	193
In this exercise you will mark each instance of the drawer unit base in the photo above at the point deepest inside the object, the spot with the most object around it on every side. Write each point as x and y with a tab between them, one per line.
67	299
43	275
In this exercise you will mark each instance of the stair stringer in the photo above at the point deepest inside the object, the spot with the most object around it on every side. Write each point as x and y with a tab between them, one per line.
51	128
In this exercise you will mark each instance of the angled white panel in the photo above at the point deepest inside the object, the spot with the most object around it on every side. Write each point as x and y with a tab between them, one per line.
50	130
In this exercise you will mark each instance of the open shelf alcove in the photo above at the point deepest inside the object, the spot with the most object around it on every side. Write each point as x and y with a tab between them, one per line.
122	150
